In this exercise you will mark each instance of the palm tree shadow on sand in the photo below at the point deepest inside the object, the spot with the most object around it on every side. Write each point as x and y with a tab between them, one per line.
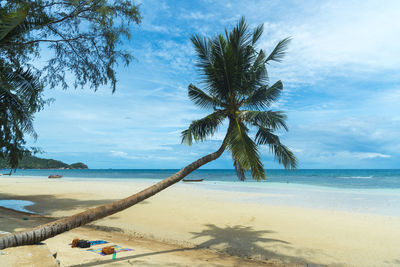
244	241
237	240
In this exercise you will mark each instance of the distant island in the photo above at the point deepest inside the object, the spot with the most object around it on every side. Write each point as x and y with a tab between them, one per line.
32	162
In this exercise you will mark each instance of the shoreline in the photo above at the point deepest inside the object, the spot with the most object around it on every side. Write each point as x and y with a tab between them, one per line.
240	223
370	201
247	183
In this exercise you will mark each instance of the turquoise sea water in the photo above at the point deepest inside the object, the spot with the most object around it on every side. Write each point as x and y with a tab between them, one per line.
362	179
360	191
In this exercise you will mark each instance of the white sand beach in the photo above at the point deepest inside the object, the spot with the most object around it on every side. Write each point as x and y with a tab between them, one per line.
197	218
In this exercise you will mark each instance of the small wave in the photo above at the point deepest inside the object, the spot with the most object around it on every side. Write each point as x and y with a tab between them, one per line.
355	177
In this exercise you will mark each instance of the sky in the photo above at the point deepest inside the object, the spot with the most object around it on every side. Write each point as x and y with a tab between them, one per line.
341	79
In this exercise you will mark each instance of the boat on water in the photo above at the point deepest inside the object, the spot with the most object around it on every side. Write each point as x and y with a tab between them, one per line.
192	180
55	176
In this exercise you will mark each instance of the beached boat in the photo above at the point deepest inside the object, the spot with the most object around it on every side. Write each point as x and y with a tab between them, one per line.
192	180
55	176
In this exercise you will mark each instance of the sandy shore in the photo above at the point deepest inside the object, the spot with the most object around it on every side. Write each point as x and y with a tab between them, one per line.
188	216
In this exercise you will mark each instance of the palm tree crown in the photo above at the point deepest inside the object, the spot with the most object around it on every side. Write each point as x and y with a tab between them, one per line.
236	87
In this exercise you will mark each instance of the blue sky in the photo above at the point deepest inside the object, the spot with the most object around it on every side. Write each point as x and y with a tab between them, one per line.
341	77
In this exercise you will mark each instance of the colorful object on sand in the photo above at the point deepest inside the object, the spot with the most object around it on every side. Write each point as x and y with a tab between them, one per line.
108	250
92	243
83	244
74	243
117	249
98	242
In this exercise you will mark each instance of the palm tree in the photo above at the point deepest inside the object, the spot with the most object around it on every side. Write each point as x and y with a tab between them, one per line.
236	83
20	90
235	78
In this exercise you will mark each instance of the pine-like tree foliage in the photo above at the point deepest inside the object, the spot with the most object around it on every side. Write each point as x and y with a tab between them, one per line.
236	88
81	38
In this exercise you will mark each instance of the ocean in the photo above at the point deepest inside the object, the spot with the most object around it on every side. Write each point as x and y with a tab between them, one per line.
362	191
339	178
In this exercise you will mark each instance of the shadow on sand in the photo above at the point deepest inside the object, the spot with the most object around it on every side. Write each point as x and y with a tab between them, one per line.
242	241
47	204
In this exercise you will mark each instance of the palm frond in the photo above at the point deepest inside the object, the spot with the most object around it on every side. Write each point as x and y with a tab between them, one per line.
201	98
27	87
201	129
269	119
10	21
279	51
22	24
240	172
254	74
258	31
17	112
20	98
281	152
202	47
244	150
240	36
214	72
264	96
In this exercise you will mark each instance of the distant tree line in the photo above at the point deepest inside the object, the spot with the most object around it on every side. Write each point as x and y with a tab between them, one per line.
32	162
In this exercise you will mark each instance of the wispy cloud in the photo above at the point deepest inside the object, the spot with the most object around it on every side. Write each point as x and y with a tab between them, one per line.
341	79
370	155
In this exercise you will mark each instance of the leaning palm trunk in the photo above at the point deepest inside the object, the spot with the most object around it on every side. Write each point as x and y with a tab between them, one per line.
45	231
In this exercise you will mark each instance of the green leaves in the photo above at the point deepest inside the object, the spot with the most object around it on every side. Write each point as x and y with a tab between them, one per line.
20	90
84	37
235	81
201	98
201	129
282	153
269	119
20	98
244	150
264	96
279	51
9	21
258	31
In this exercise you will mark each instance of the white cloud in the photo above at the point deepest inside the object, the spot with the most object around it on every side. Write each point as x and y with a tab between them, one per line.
370	155
197	16
344	38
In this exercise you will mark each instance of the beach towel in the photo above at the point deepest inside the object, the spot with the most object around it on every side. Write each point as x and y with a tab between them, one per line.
98	242
116	248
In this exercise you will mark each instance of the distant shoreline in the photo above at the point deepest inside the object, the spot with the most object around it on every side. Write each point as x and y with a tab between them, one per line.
352	179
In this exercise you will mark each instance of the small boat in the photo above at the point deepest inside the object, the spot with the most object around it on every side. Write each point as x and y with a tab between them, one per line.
192	180
55	176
